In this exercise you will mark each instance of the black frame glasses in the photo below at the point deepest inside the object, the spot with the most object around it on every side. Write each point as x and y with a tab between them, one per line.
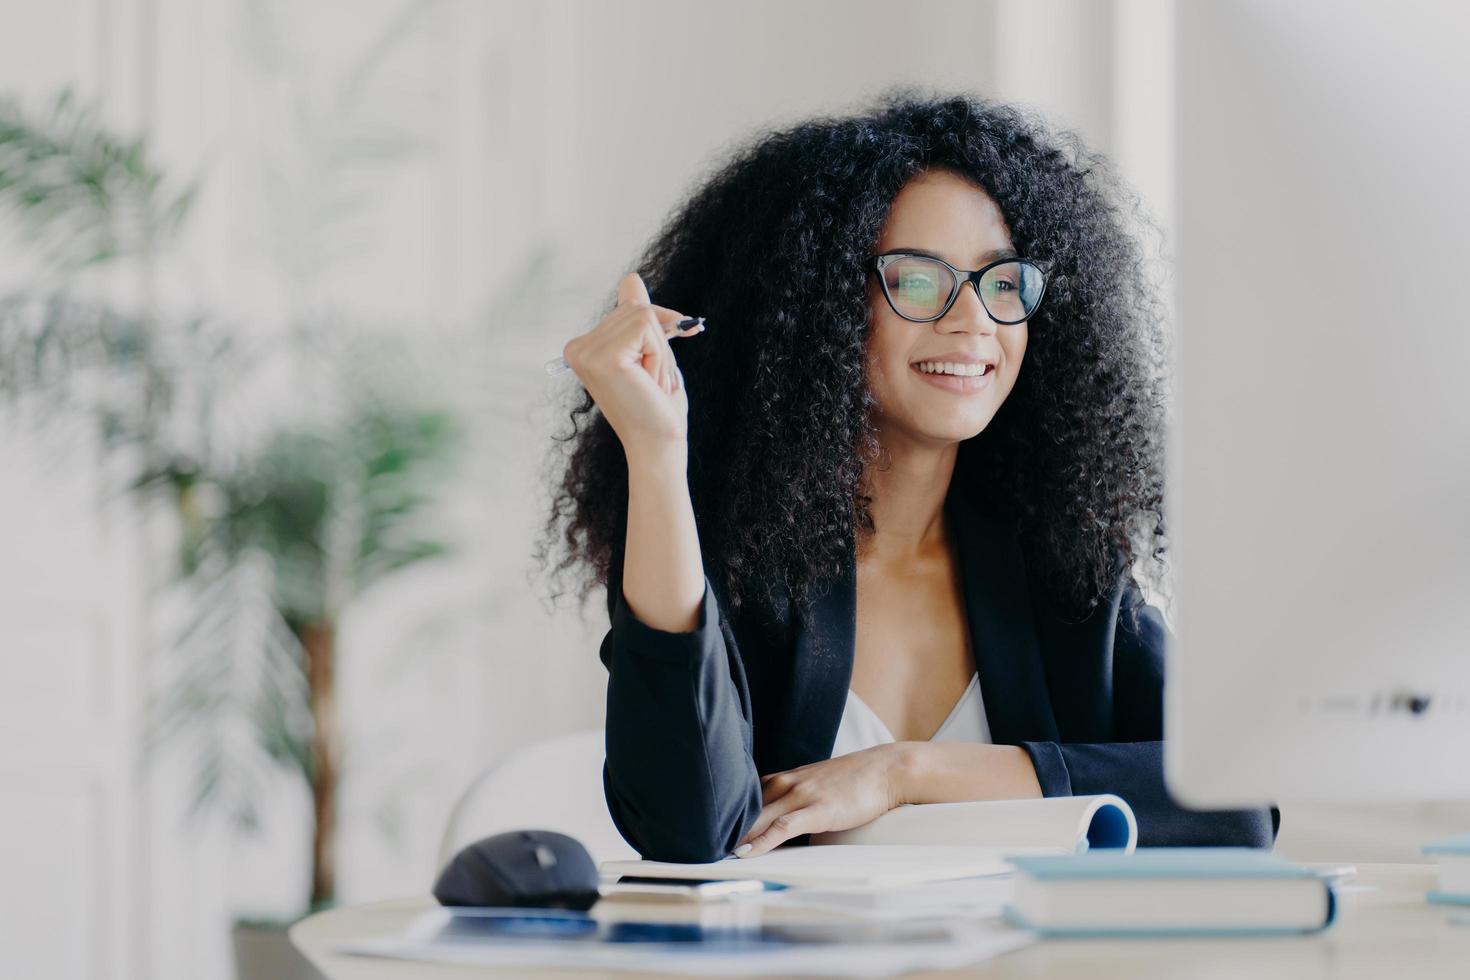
877	263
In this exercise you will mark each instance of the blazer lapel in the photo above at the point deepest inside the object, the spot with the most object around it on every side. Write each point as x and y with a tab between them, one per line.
1002	625
824	639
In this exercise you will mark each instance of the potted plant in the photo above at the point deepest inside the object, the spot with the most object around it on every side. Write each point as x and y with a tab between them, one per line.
273	551
275	534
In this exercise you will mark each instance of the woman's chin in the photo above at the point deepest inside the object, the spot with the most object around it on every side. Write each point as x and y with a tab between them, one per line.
944	432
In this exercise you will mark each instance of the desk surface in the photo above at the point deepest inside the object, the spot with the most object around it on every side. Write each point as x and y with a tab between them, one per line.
1385	929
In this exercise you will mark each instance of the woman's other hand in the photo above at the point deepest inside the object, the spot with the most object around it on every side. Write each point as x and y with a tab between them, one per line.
628	368
835	794
852	789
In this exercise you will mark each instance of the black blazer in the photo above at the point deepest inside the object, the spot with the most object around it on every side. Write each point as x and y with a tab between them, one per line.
694	718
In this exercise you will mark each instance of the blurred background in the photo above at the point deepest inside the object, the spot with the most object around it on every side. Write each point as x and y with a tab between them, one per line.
278	283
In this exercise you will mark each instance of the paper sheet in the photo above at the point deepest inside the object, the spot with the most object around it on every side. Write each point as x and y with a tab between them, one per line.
843	865
526	938
967	898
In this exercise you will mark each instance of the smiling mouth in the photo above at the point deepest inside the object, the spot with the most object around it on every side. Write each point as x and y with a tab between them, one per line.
960	384
956	370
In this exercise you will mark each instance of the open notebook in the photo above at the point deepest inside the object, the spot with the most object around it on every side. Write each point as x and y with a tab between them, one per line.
923	842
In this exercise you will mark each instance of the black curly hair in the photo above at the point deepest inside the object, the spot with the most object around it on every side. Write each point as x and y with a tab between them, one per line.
770	249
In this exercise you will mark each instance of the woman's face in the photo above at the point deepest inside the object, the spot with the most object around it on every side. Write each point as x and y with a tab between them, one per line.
942	213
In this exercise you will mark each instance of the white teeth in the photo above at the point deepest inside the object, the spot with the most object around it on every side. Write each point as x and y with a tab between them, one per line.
948	367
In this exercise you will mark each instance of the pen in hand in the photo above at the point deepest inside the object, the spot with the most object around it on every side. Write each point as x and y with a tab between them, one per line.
559	365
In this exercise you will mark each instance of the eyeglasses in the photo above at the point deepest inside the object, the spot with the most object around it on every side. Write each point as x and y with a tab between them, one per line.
922	288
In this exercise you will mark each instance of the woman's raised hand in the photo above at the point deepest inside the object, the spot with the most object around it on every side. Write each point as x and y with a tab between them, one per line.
627	366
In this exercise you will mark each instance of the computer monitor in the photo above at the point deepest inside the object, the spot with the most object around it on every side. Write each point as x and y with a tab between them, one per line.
1319	453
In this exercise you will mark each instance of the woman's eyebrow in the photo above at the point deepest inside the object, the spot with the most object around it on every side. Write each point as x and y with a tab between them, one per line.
984	257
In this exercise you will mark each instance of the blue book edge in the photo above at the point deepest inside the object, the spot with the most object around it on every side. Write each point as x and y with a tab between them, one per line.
1459	844
1448	898
1164	862
1014	918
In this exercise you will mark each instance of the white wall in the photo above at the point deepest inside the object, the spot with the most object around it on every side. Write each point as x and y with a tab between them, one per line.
576	125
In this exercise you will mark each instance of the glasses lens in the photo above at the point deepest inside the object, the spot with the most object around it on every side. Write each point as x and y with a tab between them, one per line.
919	287
1012	290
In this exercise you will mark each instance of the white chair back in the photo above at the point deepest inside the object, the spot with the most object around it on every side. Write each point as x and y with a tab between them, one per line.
554	784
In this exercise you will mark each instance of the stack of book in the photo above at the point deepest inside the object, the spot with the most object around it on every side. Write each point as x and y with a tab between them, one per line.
1172	891
1453	855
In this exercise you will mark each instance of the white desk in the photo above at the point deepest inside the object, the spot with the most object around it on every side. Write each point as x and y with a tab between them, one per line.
1385	931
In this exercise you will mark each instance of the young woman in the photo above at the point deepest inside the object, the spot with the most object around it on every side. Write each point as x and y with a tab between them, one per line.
871	538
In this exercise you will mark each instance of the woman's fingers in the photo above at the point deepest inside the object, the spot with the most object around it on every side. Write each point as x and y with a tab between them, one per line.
776	785
631	289
671	379
621	360
781	828
669	362
665	356
657	326
772	810
783	772
648	355
632	292
653	347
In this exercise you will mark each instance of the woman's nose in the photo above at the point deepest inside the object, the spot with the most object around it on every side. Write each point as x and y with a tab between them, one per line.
968	311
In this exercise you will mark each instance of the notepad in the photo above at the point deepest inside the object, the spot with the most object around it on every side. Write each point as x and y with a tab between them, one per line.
924	842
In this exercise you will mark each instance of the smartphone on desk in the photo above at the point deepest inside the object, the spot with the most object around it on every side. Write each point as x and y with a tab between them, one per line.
680	889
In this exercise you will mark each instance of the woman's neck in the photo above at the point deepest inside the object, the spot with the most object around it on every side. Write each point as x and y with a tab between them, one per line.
907	487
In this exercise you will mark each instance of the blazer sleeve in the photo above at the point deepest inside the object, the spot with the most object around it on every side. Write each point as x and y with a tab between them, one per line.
680	775
1133	766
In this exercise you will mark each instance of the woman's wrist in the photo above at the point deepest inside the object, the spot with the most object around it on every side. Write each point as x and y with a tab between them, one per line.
949	772
660	460
905	771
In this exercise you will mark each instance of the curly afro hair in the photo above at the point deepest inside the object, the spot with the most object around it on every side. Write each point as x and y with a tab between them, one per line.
770	249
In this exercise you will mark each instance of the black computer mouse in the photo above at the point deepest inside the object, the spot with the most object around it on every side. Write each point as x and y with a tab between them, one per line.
526	868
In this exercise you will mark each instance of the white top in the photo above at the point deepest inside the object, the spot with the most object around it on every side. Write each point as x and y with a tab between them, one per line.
860	728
